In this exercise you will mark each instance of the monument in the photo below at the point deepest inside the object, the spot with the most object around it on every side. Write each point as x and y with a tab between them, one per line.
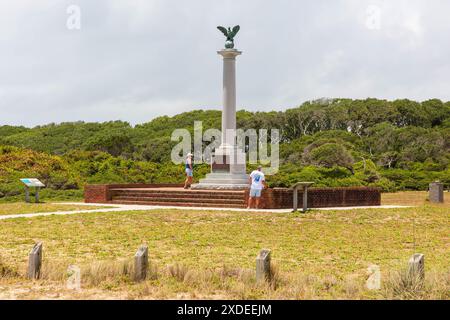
227	184
228	164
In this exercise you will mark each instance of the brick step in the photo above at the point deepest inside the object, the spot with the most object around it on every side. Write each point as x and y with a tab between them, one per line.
179	204
187	195
176	199
182	191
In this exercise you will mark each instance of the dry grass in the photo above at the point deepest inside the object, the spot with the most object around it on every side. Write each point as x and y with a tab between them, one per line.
206	254
178	271
402	285
107	272
7	271
113	279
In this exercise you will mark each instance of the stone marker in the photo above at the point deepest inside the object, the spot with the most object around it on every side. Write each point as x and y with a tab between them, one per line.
374	280
35	262
74	278
416	267
263	273
436	192
141	263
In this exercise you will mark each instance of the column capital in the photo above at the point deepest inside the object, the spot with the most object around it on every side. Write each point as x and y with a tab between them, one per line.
229	53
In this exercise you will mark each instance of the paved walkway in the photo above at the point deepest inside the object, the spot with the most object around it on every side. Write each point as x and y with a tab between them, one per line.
128	207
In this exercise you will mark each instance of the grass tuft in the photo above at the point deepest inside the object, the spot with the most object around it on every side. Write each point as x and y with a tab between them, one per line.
405	286
106	271
178	271
7	272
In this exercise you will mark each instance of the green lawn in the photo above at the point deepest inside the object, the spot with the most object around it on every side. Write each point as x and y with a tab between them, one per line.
322	254
23	208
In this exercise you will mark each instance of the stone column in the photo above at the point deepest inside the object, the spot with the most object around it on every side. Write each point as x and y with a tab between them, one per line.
228	165
229	95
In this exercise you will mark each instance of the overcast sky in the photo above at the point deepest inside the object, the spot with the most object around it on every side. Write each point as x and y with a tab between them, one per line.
134	60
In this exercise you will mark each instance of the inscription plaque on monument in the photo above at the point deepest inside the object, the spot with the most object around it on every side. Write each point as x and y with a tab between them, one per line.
220	164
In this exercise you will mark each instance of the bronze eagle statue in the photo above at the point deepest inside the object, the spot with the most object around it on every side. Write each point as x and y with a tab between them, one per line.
230	34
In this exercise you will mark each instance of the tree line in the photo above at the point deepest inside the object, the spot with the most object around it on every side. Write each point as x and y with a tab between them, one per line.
399	144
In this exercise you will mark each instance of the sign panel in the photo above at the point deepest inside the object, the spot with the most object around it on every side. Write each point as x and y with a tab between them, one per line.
31	182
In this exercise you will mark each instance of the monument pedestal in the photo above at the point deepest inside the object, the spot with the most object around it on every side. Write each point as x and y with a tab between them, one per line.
228	170
222	181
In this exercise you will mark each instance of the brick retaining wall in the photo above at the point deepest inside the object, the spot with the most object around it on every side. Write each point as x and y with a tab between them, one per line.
282	198
277	198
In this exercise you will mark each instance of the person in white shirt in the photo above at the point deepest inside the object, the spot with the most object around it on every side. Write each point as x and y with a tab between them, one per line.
257	183
189	171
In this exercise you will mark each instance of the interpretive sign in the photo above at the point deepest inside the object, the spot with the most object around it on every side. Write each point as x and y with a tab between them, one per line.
32	183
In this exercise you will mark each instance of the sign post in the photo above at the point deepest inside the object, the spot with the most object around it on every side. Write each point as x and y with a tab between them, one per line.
304	186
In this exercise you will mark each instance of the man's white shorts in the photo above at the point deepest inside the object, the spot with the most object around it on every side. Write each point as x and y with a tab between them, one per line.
255	193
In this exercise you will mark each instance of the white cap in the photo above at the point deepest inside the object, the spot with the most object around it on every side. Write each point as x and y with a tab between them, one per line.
189	155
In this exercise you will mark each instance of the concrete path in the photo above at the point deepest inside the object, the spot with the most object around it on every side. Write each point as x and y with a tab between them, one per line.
127	207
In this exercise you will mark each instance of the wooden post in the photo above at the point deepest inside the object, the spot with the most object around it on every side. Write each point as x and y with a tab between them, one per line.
416	267
305	198
35	262
263	273
295	197
141	263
